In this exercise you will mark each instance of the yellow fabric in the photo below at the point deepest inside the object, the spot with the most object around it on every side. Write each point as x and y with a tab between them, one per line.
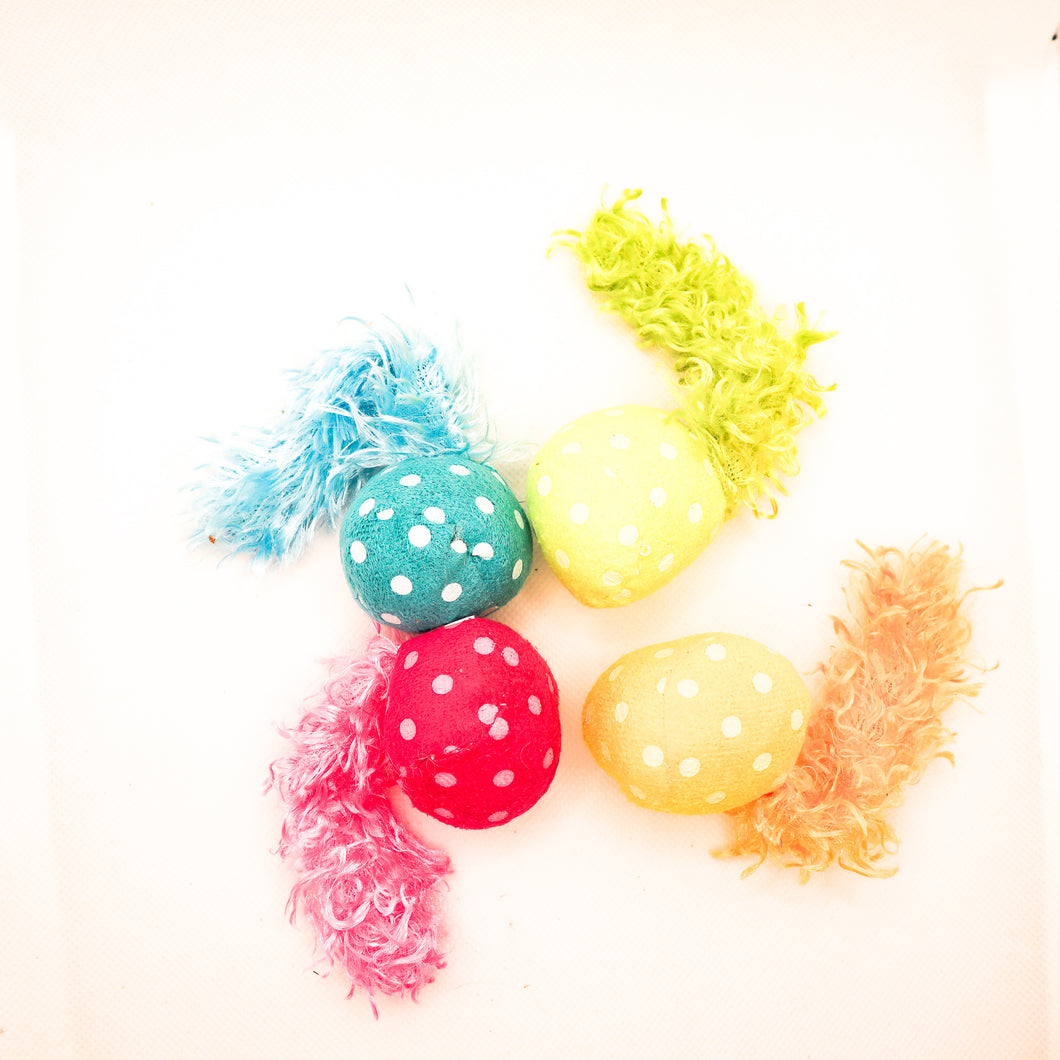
622	500
697	725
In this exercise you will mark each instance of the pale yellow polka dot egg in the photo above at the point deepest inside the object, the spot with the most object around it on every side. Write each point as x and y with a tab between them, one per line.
622	500
697	725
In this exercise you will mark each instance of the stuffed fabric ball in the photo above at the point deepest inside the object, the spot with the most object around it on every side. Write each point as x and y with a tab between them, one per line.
433	540
472	724
621	501
697	725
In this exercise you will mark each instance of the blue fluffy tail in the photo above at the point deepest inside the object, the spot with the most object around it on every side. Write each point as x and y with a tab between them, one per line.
358	410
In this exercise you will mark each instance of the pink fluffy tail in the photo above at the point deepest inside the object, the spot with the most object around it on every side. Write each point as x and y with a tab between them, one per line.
877	724
364	882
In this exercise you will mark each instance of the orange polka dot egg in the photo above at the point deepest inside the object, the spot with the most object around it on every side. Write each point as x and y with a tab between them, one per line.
697	725
621	501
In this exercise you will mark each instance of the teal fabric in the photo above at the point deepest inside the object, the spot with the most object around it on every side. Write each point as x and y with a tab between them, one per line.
433	540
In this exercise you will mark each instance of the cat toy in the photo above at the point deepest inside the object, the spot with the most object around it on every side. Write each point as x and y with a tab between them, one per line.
623	499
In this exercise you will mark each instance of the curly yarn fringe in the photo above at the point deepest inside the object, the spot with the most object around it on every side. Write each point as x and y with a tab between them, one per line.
898	665
357	410
746	393
364	883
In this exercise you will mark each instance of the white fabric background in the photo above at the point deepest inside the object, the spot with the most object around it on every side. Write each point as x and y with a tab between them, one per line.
195	193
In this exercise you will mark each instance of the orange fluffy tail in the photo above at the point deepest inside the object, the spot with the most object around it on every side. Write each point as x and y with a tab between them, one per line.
898	665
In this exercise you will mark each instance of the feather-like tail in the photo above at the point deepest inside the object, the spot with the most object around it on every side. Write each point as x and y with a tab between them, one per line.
364	882
389	396
744	387
899	664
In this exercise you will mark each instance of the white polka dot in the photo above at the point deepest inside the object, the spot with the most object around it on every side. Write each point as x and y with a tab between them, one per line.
367	506
511	656
484	550
409	480
619	441
401	585
715	797
762	762
715	652
571	448
534	704
407	729
610	473
500	815
668	451
667	561
550	757
518	518
562	558
444	780
661	685
358	553
687	688
579	512
484	645
621	711
636	792
695	512
797	719
499	729
434	515
487	713
442	683
452	749
657	496
628	535
664	653
544	485
689	767
652	755
386	616
517	569
615	412
452	592
614	673
441	811
612	578
459	469
762	682
731	727
410	659
458	546
419	536
484	505
503	778
385	514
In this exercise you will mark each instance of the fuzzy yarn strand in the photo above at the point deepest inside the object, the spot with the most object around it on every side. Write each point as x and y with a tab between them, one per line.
390	395
364	883
745	391
899	664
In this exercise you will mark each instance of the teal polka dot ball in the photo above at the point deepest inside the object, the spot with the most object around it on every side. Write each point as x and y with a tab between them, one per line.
433	540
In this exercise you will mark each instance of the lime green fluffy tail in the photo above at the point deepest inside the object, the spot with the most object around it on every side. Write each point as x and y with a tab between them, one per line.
745	391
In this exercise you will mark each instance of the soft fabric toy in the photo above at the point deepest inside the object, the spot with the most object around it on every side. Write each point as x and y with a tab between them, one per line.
465	720
388	427
720	723
623	499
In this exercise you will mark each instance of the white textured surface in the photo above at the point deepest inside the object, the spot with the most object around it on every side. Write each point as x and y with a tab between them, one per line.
201	192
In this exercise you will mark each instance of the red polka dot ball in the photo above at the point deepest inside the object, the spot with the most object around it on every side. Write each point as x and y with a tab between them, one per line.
472	723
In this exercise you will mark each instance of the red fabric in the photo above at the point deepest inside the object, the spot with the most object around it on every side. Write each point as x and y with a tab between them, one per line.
472	723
